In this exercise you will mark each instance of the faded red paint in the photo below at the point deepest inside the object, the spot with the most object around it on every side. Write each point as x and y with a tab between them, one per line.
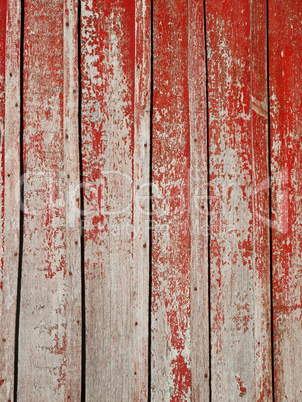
238	161
285	39
241	387
171	207
50	299
3	12
116	136
261	224
114	71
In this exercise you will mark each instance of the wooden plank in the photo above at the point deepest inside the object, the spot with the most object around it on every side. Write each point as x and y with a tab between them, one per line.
199	204
239	238
115	121
261	203
50	319
141	187
285	46
9	188
171	257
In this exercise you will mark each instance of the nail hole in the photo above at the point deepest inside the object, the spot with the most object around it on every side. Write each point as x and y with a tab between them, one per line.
145	145
4	340
145	245
10	74
195	288
206	375
136	323
70	273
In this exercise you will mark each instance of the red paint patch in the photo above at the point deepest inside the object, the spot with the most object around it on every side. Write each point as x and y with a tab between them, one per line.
240	386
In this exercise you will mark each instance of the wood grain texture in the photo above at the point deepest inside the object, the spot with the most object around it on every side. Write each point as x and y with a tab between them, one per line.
261	203
9	188
239	239
200	346
210	122
171	257
50	318
115	119
285	45
141	188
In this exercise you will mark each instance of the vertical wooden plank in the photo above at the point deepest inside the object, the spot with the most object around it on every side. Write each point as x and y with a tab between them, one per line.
3	16
50	320
239	238
171	257
10	188
261	203
285	46
141	188
115	119
199	203
72	202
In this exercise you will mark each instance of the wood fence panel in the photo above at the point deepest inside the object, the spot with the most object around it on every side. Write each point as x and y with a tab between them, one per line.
285	44
239	248
50	318
9	188
116	141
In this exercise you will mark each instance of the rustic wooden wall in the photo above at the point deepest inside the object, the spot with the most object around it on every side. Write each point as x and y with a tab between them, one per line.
150	191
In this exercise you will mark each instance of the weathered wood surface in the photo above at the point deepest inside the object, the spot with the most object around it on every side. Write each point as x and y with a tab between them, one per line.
239	240
171	305
9	188
50	317
285	67
200	347
193	119
116	142
261	202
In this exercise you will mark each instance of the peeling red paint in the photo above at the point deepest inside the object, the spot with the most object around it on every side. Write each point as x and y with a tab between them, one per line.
286	105
3	13
240	305
115	134
171	173
240	386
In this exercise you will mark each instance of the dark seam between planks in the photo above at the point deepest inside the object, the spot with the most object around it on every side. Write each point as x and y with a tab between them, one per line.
82	217
21	222
208	195
150	205
270	199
